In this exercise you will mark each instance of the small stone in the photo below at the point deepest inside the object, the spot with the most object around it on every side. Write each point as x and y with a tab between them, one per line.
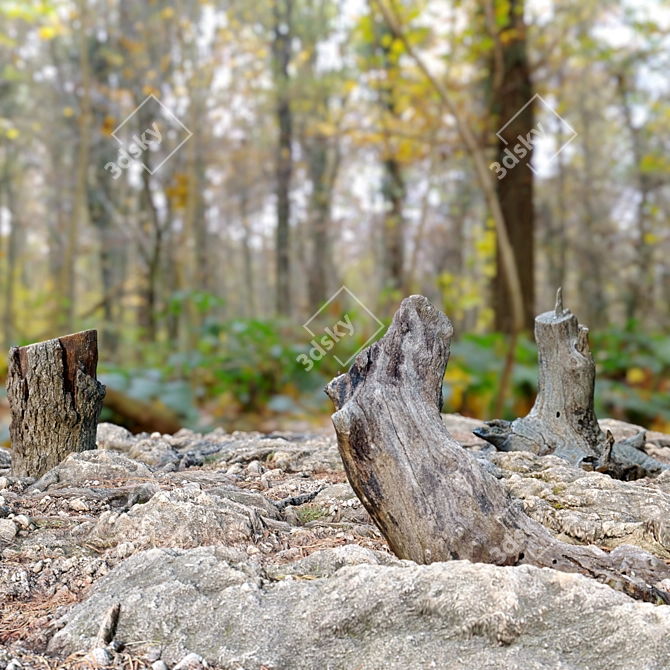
125	549
251	550
234	469
14	664
291	516
254	468
159	665
22	520
152	654
101	657
191	662
156	436
67	564
4	483
191	459
78	505
281	459
8	530
37	568
265	483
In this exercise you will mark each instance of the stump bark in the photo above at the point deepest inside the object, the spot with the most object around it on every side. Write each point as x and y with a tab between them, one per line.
431	499
563	421
55	401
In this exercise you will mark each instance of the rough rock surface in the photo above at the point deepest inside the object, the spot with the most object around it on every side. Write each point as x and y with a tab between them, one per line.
590	507
90	466
186	517
252	551
446	615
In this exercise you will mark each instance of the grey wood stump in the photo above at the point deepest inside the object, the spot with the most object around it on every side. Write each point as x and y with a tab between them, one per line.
431	499
563	421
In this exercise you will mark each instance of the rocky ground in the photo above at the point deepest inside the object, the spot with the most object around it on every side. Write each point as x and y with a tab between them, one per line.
251	551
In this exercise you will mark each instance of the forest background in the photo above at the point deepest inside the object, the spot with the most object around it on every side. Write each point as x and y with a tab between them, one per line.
309	145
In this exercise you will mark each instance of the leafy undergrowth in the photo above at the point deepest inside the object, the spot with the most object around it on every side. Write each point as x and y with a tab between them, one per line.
244	375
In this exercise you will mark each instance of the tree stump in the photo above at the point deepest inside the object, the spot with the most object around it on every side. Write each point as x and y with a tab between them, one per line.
431	499
563	421
55	401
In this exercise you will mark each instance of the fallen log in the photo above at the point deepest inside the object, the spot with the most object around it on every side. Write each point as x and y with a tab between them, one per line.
431	499
140	416
55	401
563	421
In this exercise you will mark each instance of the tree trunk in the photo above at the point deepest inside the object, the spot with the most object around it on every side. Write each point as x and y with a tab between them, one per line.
640	293
394	191
141	416
79	214
562	421
281	47
592	265
393	183
112	266
250	301
515	189
432	500
55	401
319	216
12	254
152	254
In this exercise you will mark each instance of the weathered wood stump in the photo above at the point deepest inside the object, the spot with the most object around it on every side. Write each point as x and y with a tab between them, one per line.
431	499
563	421
55	401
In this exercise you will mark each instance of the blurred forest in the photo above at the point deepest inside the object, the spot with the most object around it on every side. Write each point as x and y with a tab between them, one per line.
335	142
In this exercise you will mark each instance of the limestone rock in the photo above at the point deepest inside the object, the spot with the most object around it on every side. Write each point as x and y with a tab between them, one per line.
111	436
157	452
95	465
327	562
445	615
186	517
590	507
5	458
8	531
